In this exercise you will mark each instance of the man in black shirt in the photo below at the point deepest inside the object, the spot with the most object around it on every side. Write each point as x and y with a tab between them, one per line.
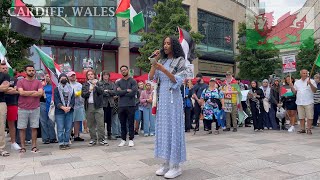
197	91
4	81
127	90
11	98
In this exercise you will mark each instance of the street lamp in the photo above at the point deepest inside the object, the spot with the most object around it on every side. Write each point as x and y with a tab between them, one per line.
205	26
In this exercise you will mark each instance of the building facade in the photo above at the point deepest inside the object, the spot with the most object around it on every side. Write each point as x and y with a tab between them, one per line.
107	44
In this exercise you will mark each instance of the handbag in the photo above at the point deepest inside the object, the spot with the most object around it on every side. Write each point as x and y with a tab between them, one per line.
52	111
281	113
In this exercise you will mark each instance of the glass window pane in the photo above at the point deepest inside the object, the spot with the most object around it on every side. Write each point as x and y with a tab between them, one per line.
64	56
133	61
95	56
109	61
79	56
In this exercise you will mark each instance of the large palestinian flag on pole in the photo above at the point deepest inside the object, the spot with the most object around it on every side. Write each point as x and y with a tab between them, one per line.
3	53
23	21
52	68
126	10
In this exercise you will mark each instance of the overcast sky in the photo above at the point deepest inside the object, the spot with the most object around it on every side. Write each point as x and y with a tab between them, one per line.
280	7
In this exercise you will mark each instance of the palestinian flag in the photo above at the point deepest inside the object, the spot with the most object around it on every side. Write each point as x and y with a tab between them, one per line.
286	92
51	67
187	44
23	21
3	53
126	10
318	60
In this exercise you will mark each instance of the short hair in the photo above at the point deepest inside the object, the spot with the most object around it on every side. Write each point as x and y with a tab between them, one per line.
94	73
124	66
105	73
29	65
317	76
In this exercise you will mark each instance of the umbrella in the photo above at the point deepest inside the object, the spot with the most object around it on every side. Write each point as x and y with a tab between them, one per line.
114	76
142	78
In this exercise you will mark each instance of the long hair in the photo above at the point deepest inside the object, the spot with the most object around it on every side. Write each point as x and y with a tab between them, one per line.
90	70
292	79
176	48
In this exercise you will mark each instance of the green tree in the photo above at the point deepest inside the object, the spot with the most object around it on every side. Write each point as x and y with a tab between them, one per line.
170	15
17	45
307	56
255	64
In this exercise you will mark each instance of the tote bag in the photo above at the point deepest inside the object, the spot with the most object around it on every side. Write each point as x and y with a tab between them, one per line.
51	112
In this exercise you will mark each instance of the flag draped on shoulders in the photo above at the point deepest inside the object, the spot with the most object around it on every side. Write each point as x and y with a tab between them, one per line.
3	53
52	68
23	21
126	10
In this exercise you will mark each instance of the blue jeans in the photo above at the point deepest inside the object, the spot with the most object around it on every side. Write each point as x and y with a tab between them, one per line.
47	126
148	121
115	125
316	114
64	125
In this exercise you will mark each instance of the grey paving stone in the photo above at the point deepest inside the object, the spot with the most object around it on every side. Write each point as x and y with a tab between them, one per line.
256	164
190	174
148	142
214	147
2	168
60	161
285	158
237	137
42	176
269	173
40	154
119	149
195	141
151	161
313	144
114	175
262	141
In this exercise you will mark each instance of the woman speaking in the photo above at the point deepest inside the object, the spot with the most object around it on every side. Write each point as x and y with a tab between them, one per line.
169	70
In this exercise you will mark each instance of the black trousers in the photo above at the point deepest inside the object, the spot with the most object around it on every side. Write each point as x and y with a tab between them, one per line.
107	118
256	116
208	124
126	116
283	120
187	114
197	111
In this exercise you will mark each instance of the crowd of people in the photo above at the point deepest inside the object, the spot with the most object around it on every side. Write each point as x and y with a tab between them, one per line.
110	110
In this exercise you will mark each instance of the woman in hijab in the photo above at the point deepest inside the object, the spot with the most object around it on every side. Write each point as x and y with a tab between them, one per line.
255	97
64	101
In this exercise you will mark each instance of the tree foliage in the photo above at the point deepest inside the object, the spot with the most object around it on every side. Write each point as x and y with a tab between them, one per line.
170	15
306	57
16	45
255	64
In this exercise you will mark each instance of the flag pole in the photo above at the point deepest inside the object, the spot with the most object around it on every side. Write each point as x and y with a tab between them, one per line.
314	64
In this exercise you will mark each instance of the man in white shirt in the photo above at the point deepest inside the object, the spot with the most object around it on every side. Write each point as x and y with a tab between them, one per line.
304	89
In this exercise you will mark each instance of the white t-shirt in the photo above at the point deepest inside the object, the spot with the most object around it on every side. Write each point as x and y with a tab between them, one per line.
90	100
304	92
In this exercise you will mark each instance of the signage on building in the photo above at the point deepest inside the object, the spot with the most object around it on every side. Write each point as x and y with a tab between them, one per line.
289	64
211	67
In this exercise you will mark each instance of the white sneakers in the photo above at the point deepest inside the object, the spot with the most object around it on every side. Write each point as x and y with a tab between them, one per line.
163	170
173	172
15	146
123	143
131	143
169	173
291	129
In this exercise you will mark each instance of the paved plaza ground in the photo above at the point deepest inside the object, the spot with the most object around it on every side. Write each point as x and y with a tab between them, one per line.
227	156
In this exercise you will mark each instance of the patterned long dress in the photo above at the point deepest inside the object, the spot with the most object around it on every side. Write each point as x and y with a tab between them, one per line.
170	139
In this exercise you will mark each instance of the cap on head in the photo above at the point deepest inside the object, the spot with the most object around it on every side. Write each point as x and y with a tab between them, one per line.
213	80
71	73
228	73
265	81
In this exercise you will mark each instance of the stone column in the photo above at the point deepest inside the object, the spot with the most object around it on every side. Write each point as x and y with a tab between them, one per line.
123	37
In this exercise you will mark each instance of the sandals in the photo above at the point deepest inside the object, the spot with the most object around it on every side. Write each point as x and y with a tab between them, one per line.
309	131
4	153
23	150
301	131
35	150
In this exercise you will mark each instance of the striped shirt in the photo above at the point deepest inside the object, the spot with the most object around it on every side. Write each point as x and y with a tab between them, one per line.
317	95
